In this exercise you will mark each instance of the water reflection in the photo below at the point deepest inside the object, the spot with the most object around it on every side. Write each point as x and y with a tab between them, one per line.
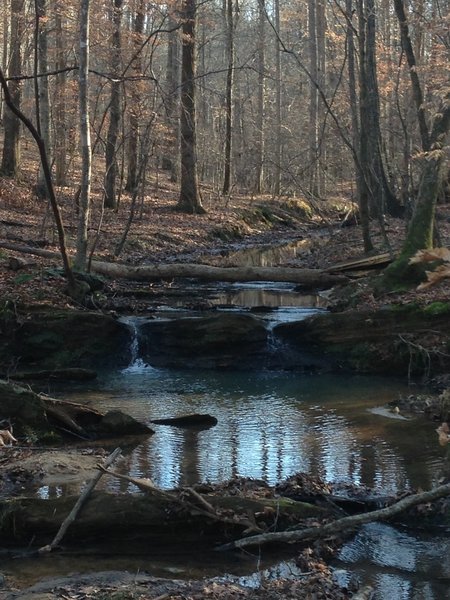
400	564
270	425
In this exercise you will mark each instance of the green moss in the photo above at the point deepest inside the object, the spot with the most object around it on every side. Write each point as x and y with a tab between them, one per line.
437	308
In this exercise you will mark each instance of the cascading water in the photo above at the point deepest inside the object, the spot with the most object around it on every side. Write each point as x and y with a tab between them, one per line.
136	365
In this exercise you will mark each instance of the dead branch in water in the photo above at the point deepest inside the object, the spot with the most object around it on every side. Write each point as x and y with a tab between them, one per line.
341	525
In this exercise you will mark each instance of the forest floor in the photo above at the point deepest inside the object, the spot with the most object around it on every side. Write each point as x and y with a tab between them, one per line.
159	234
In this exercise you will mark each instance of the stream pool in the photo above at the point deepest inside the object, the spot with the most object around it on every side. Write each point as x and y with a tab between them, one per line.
271	424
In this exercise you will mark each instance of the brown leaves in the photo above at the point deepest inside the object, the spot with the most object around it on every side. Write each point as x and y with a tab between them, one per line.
443	432
441	272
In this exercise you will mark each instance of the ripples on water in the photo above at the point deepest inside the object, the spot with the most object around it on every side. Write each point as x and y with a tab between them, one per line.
270	425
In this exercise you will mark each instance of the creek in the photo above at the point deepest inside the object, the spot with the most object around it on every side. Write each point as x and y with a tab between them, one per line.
271	424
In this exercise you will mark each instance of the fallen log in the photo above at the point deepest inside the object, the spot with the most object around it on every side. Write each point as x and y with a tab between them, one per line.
306	277
153	516
341	525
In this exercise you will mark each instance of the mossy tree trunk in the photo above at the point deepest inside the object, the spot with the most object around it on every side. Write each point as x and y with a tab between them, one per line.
420	231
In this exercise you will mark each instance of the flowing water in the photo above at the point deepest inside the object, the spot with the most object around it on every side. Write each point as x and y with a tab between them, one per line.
270	426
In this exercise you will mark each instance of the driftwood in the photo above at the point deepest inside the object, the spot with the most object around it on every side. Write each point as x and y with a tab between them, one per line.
306	277
341	525
368	262
79	504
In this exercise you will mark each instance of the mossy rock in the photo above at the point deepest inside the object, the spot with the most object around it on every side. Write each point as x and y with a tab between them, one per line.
54	339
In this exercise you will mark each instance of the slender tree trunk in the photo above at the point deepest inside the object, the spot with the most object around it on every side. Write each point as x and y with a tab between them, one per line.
189	200
413	74
85	138
229	20
278	137
363	200
110	198
170	160
261	109
313	138
60	141
11	145
134	133
42	90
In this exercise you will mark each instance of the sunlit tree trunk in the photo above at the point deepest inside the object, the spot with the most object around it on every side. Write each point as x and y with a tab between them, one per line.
85	139
11	145
110	198
189	200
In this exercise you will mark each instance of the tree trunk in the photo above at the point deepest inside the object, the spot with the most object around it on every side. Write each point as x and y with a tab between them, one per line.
259	176
11	145
85	136
413	73
421	226
313	139
110	198
363	199
230	25
42	91
59	106
170	160
134	130
189	200
278	119
375	186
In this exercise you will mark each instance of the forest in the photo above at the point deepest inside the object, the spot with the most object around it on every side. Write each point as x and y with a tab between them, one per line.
304	100
224	242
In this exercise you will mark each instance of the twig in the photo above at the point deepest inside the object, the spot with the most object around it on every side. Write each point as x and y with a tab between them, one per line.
78	505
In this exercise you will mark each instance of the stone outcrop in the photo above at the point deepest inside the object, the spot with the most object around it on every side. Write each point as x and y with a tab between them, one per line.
44	338
223	340
397	340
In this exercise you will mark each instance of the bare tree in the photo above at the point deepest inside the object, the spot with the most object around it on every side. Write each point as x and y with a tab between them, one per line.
85	138
11	145
110	197
41	87
189	200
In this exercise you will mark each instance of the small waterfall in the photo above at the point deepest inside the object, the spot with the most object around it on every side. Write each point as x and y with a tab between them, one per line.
137	365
